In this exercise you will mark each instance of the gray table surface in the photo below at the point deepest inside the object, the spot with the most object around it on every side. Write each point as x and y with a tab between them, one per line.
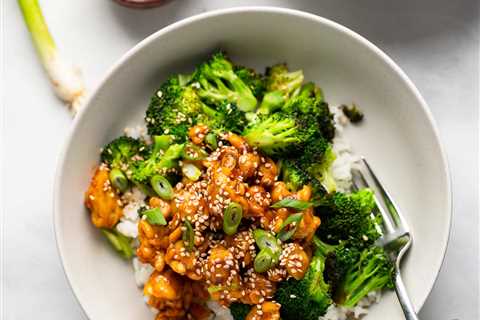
436	42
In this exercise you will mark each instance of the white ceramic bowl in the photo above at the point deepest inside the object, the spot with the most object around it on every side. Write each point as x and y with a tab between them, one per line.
399	138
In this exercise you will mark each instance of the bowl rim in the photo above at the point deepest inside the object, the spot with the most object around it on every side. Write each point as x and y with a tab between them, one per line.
60	167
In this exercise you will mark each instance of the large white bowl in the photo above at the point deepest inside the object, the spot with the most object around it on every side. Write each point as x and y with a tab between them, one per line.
399	138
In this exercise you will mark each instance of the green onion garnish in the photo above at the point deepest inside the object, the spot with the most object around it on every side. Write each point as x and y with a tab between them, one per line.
119	242
118	179
162	187
191	171
188	236
154	216
292	203
193	152
289	226
264	260
232	217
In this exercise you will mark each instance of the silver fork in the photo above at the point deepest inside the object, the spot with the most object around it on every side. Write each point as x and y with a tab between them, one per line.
396	238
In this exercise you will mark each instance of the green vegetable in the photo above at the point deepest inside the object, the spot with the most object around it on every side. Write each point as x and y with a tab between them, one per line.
231	218
279	79
218	83
348	217
252	79
373	271
193	152
264	260
271	101
154	216
118	179
295	178
162	187
66	79
308	298
120	151
353	113
296	204
191	171
239	310
156	163
289	226
211	140
162	142
119	242
188	236
353	273
265	239
174	108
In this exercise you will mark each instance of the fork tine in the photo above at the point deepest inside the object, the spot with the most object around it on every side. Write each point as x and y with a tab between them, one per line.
359	182
391	209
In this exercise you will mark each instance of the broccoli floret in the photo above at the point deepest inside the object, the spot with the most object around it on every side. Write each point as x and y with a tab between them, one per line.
226	118
239	310
173	109
255	81
216	82
373	271
309	297
353	113
309	101
280	134
278	78
348	217
317	160
295	178
157	162
119	152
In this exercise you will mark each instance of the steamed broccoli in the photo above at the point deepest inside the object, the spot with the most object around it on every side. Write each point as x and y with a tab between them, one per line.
173	109
372	271
157	162
352	273
317	160
239	310
309	101
353	113
295	178
226	118
349	218
119	152
280	134
279	79
216	82
309	297
252	79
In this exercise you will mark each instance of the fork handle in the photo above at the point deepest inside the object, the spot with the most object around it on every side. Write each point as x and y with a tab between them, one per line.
402	295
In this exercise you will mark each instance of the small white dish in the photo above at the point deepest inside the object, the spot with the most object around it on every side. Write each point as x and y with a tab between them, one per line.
399	138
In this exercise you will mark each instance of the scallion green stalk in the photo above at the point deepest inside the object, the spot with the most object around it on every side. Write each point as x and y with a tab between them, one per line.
66	79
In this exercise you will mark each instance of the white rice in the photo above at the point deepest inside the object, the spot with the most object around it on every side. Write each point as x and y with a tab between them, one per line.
142	272
128	224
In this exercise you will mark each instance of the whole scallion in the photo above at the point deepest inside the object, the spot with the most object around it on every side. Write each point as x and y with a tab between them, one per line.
66	79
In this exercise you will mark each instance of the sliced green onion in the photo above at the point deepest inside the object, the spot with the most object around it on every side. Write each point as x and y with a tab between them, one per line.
162	142
193	152
211	140
154	216
289	226
66	79
191	171
265	239
119	242
292	203
118	179
231	218
264	260
162	187
188	236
